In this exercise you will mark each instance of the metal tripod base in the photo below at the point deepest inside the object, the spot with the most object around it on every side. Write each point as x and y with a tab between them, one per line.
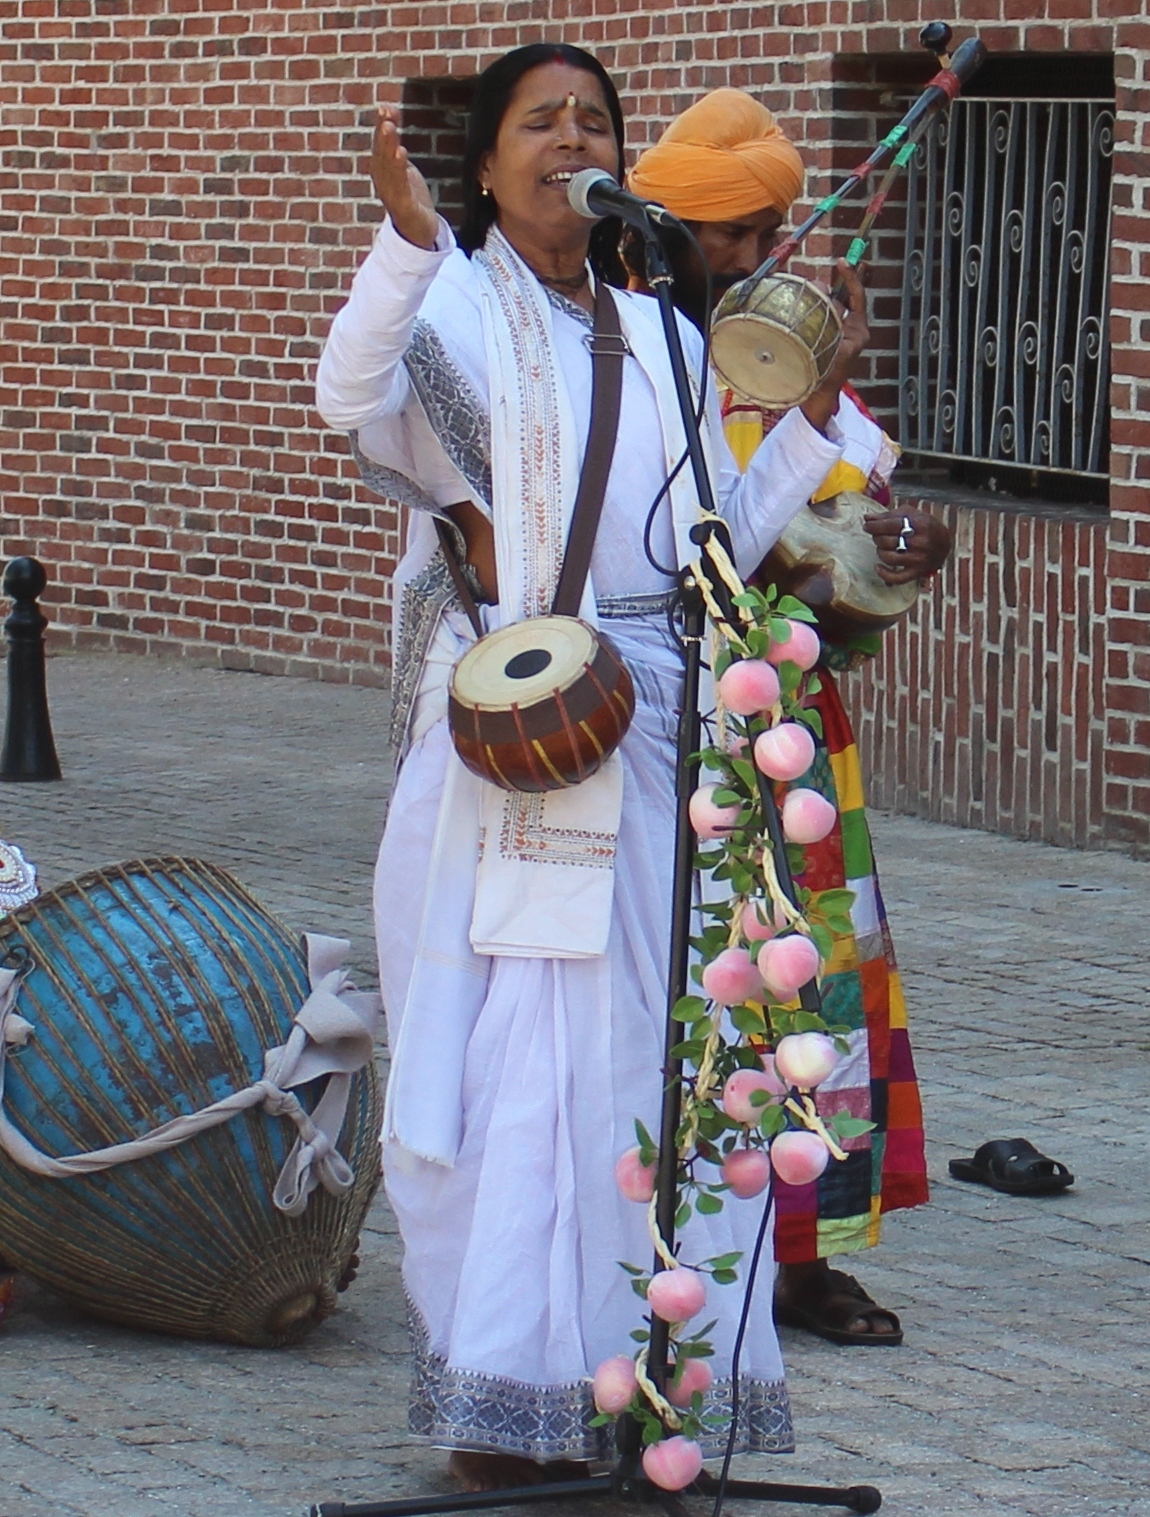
854	1498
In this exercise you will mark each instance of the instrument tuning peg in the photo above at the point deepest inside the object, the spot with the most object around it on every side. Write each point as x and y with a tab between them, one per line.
935	37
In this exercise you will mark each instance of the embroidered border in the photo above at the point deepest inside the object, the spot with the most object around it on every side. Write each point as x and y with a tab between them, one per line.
524	836
454	410
536	394
465	1409
390	483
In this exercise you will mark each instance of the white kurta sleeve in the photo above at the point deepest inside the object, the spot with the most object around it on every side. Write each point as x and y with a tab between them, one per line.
361	374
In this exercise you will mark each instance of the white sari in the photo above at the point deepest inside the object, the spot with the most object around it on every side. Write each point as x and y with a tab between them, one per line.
518	1072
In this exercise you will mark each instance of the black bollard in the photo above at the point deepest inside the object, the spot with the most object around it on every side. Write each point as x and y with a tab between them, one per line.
29	751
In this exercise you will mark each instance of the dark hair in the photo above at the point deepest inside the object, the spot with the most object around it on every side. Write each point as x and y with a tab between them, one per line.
492	97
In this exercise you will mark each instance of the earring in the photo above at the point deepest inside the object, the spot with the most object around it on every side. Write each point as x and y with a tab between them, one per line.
485	192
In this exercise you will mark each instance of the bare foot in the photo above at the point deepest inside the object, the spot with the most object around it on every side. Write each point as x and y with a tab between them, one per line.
831	1305
494	1472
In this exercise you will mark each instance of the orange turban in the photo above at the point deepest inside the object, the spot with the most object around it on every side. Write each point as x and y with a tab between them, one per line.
722	159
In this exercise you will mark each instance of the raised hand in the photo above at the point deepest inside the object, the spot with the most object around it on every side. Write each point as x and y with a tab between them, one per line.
822	404
399	184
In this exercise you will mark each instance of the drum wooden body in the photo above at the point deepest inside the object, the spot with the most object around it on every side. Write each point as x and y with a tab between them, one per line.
539	705
826	558
155	989
775	342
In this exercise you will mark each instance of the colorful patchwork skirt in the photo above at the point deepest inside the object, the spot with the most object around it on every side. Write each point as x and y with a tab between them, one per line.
885	1169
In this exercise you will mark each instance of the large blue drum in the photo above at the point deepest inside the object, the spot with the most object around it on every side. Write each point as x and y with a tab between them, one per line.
155	989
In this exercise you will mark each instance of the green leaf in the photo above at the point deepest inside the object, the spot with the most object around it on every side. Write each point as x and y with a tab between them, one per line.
682	1216
640	1335
747	1020
760	1098
724	1276
833	901
640	1289
844	1126
789	606
772	1121
809	1021
813	720
814	684
632	1269
823	941
652	1434
689	1008
725	1261
708	1205
601	1420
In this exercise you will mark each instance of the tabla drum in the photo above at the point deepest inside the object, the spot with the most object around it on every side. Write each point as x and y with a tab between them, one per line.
154	988
540	704
775	342
825	557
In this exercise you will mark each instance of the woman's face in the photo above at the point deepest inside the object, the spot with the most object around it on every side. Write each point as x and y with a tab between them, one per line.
556	124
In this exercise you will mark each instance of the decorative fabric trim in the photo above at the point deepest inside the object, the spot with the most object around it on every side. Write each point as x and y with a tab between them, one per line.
390	483
455	412
525	836
570	308
463	1409
657	603
425	598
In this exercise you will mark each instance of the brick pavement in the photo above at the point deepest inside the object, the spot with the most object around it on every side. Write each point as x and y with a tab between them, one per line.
1021	1389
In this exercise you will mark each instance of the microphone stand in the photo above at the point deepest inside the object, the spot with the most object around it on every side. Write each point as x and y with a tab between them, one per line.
627	1481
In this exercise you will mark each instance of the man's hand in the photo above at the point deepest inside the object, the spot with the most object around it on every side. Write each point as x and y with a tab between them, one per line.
399	184
821	405
928	545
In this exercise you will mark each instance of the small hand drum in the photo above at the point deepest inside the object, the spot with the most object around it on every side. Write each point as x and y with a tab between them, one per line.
774	343
827	558
539	705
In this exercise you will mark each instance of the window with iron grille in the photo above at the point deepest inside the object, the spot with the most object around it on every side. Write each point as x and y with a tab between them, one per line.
1003	353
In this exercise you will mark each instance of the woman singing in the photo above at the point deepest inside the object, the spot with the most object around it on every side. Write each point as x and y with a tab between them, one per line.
523	940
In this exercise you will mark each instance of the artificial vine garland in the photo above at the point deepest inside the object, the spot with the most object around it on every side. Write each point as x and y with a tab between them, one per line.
752	1055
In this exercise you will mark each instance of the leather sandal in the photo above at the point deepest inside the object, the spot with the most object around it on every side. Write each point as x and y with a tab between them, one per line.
829	1314
1013	1166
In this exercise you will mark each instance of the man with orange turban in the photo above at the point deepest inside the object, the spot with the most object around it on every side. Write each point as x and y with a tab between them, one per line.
727	170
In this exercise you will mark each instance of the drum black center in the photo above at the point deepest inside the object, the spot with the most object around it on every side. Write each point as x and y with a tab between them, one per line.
524	665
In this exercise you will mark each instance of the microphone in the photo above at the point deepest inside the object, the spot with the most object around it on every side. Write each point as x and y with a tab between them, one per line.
594	194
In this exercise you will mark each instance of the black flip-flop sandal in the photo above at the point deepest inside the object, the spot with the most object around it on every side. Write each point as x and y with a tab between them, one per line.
842	1304
1013	1166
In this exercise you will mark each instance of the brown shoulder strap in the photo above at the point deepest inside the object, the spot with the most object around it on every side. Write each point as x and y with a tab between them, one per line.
608	349
458	578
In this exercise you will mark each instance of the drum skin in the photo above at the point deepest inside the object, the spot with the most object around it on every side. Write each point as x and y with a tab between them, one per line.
157	986
774	341
567	725
826	559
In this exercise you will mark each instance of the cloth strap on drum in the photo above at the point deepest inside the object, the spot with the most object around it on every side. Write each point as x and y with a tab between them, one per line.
333	1034
608	349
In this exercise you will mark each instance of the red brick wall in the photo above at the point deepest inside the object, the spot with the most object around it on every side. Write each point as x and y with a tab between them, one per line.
985	707
184	202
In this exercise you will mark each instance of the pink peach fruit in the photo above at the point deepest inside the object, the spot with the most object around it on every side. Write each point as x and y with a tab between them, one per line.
672	1463
739	1089
709	820
746	1171
676	1295
805	1059
807	816
777	1086
748	686
696	1376
761	921
731	977
799	1157
802	647
784	752
786	964
636	1181
614	1385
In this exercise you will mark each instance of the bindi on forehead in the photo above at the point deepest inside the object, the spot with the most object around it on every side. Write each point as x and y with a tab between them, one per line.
567	102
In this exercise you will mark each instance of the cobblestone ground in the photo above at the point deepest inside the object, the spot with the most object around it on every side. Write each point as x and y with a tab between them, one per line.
1022	1384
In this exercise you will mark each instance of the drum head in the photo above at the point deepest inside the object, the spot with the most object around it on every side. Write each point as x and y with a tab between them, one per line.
763	361
774	341
523	663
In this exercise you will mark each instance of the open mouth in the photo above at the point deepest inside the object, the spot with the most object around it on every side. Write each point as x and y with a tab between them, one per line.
560	176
